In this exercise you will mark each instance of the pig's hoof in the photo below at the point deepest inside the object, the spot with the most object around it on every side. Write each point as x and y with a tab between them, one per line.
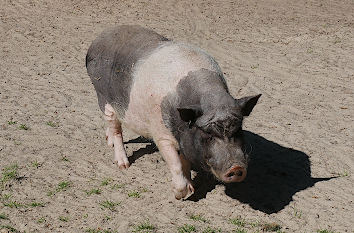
191	188
122	165
184	192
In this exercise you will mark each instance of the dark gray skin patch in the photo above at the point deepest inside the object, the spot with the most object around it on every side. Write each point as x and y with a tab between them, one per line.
207	121
111	58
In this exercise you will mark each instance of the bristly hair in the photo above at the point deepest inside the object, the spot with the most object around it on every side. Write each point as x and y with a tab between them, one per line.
223	128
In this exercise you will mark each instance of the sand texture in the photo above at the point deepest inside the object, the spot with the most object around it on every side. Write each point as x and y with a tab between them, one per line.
57	173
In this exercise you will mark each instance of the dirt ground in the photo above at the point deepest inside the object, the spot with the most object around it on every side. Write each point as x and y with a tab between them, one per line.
57	173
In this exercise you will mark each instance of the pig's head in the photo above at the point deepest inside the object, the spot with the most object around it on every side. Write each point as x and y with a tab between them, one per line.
214	139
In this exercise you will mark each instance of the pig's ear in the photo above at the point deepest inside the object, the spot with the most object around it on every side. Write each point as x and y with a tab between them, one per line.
189	114
247	104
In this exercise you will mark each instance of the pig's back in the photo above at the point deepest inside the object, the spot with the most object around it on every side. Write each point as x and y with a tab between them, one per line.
111	58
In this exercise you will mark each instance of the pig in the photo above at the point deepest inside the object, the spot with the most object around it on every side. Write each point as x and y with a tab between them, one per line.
173	93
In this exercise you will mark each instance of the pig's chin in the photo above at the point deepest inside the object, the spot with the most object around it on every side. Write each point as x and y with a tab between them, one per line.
216	174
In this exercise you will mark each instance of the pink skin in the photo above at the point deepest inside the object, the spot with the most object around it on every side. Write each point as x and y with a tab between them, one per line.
234	174
115	138
179	167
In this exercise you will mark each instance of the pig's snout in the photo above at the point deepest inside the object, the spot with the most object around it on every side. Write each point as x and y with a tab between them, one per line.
234	174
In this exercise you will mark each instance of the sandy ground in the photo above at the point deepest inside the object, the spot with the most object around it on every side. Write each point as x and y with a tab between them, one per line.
57	173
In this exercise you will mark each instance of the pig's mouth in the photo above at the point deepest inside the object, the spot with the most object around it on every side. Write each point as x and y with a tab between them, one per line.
235	174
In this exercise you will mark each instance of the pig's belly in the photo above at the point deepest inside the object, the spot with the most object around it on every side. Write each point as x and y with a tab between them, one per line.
143	115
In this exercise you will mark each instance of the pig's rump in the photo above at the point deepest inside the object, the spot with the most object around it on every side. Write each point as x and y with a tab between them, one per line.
111	58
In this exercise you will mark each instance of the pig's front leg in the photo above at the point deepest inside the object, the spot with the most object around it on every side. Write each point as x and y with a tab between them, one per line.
179	167
114	137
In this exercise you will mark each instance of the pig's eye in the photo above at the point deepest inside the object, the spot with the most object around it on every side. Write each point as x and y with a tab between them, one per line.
209	139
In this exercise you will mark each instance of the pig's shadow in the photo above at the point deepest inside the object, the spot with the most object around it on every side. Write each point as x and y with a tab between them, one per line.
275	174
148	149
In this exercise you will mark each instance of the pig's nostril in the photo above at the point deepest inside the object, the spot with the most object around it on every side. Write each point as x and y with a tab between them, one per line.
239	173
235	174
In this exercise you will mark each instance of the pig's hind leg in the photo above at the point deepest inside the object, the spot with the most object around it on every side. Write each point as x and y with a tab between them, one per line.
114	137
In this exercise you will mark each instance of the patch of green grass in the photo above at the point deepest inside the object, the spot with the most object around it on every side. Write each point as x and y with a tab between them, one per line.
63	218
6	197
90	230
309	50
11	122
17	143
144	227
9	173
50	193
3	216
198	217
271	227
144	190
64	158
344	174
240	222
211	230
9	228
24	127
254	66
254	224
239	230
41	220
325	231
186	228
109	231
118	186
106	181
37	204
337	40
297	213
13	204
62	186
109	204
52	124
36	164
134	194
93	191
